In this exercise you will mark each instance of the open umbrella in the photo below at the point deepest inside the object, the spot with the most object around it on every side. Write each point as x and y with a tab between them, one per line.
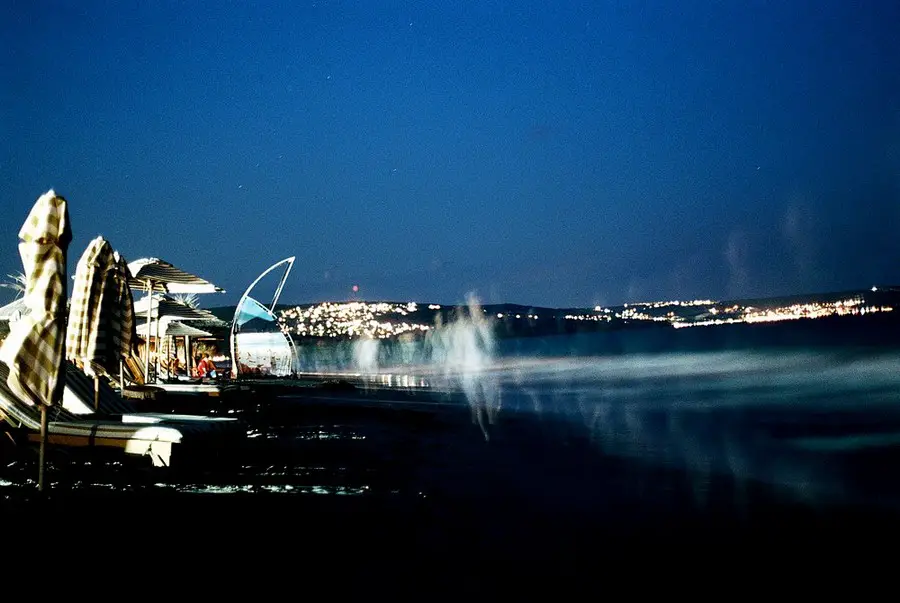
101	316
163	306
174	328
34	348
156	275
162	277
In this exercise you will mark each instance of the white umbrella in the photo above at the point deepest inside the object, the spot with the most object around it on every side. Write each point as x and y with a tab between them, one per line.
34	349
173	328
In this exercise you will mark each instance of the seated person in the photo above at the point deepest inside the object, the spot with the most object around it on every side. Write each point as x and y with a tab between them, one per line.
206	368
211	371
202	367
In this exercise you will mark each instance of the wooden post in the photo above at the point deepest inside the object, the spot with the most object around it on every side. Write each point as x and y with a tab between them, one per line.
235	366
96	393
42	453
188	358
158	346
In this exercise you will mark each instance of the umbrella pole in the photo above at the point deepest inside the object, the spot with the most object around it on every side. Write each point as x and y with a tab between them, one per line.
122	377
158	347
147	347
96	393
42	453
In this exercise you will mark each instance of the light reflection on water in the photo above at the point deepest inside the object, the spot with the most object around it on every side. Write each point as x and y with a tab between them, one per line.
753	415
326	490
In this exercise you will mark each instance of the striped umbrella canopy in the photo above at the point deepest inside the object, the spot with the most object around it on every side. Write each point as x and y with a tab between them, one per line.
162	277
101	316
168	307
35	346
172	328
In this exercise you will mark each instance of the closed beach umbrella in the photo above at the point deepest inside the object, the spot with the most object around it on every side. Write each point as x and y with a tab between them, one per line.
101	316
84	311
113	327
35	346
122	316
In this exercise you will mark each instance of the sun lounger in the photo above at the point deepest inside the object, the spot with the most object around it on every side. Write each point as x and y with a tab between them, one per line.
78	399
150	435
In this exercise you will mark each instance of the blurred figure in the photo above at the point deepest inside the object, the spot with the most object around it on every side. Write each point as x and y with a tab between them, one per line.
464	349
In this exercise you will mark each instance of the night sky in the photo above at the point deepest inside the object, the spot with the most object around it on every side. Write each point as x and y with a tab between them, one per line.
546	153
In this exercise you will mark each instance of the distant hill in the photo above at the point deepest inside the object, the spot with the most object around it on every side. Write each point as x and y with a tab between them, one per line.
888	295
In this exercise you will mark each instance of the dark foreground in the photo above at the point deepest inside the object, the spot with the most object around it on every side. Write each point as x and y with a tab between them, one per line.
404	487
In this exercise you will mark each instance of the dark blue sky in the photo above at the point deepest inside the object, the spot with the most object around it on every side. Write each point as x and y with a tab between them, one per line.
544	153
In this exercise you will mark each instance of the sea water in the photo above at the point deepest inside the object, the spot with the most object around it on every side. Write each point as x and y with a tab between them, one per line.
796	406
590	429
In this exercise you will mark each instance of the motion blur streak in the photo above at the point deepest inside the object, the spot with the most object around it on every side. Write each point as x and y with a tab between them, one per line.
743	413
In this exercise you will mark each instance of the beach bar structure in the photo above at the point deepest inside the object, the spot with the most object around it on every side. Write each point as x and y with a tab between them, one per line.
153	275
166	320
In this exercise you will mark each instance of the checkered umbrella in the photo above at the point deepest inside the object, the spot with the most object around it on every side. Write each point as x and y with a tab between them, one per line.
122	319
101	317
35	345
82	341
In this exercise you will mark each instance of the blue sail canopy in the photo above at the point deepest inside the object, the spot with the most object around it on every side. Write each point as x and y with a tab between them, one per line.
251	309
